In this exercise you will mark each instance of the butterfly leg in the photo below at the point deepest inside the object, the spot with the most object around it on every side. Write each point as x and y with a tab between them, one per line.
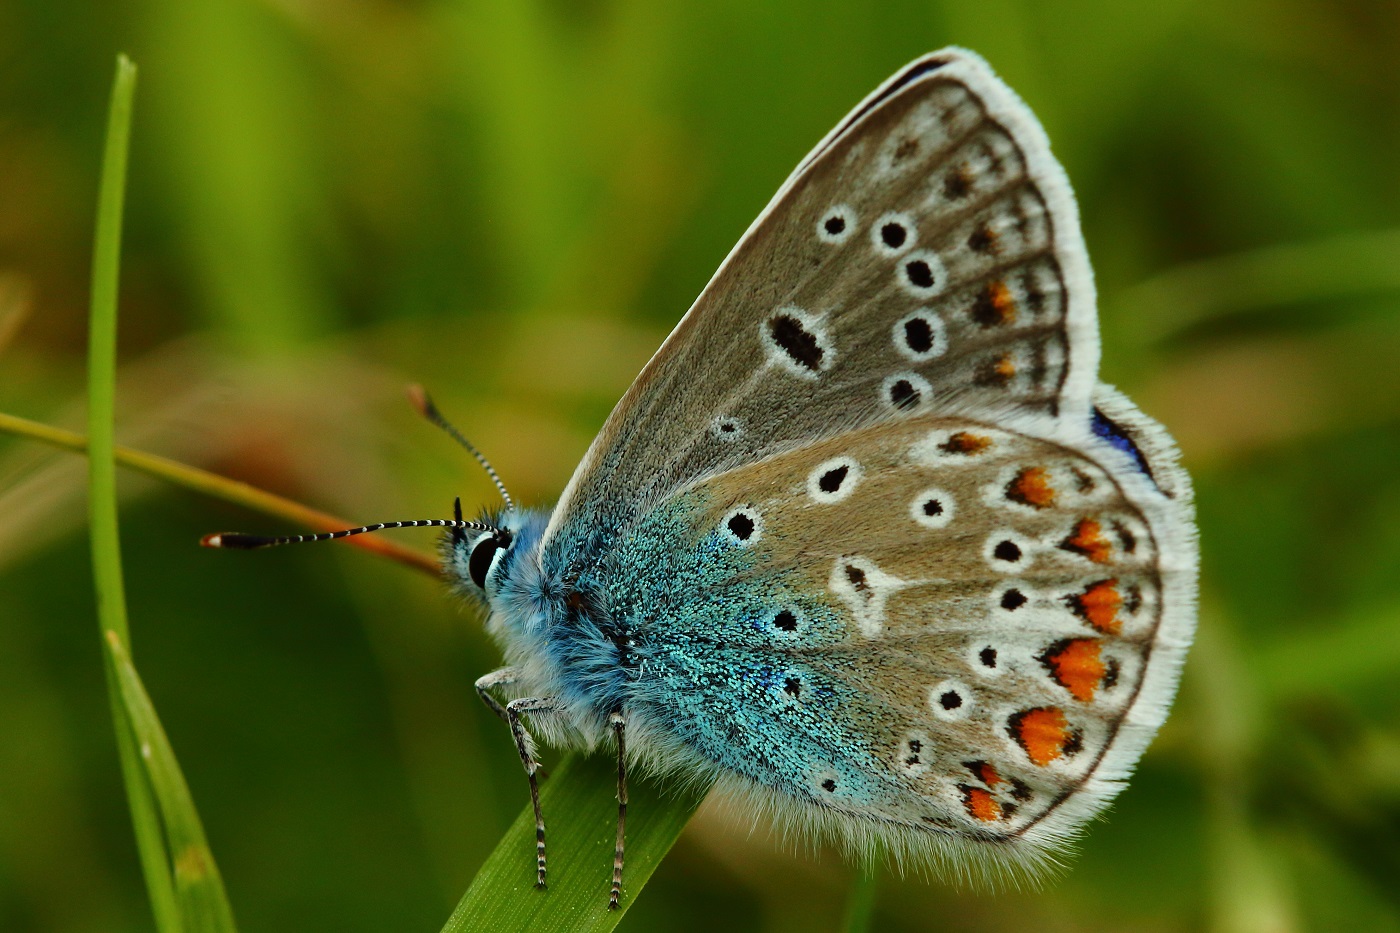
619	726
525	744
501	678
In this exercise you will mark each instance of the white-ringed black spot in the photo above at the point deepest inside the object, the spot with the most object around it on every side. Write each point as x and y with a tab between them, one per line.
829	785
906	392
892	234
743	526
1007	551
792	686
921	273
988	656
932	508
836	224
796	341
951	700
1013	599
834	479
920	336
801	346
785	620
725	428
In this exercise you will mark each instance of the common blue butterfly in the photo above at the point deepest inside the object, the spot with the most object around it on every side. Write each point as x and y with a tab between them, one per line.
867	538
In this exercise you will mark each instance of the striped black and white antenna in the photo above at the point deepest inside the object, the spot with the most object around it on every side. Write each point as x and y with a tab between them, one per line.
237	540
419	397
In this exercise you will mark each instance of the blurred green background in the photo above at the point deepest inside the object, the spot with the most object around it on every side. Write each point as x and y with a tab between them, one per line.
513	203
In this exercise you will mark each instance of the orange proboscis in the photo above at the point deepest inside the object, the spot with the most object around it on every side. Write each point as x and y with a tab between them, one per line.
1088	539
1077	667
1043	732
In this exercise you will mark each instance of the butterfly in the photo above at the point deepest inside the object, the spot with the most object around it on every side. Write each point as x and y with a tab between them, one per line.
866	539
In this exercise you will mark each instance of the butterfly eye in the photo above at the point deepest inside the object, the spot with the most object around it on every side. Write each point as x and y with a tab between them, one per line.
483	555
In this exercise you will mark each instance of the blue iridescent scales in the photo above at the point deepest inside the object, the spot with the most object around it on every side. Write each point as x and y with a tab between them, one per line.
867	540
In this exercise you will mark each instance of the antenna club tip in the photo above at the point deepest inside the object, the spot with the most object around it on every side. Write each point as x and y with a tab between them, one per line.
418	398
214	540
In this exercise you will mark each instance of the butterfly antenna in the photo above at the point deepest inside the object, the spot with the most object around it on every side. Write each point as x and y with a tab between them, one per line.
419	397
238	541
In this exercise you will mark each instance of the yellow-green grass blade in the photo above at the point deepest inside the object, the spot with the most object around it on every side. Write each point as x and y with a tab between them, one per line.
199	889
579	803
102	491
860	903
221	487
181	899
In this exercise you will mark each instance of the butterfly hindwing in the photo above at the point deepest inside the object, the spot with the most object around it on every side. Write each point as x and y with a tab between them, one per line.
944	625
926	257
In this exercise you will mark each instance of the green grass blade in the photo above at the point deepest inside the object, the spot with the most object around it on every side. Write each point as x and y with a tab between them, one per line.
580	811
102	486
221	487
199	889
102	357
860	905
162	813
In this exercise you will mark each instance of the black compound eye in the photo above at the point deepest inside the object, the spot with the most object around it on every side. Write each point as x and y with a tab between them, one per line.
479	564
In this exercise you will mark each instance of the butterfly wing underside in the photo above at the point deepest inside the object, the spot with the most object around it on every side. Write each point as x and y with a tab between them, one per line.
944	625
925	256
925	571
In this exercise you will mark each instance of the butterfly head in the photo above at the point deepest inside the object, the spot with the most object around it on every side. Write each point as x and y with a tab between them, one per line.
473	556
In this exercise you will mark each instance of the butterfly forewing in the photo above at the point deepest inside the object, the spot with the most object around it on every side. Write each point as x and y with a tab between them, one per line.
939	625
925	258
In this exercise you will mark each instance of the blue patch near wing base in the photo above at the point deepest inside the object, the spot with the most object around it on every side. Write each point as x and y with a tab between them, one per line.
1115	435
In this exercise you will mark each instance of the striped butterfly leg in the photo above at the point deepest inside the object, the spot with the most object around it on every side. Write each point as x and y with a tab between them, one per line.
524	744
619	727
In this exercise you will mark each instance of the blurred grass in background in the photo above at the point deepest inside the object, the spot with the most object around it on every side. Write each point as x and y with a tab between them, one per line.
513	203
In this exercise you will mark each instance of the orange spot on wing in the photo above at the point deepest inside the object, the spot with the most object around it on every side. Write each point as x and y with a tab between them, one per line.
1042	732
995	371
1075	664
1098	605
994	305
1088	540
964	442
1032	487
985	773
981	805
